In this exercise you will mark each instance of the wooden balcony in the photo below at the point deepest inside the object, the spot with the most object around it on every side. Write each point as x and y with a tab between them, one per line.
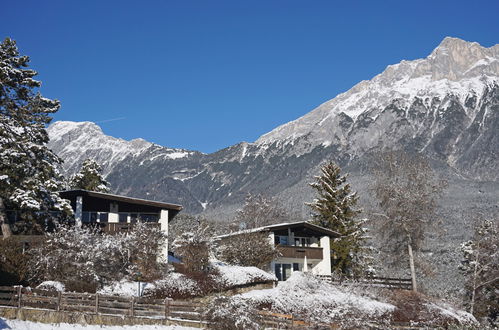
300	252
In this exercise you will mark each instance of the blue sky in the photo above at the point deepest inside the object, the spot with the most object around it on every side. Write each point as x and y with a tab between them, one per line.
204	75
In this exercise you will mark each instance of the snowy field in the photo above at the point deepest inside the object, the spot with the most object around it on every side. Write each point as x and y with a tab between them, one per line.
27	325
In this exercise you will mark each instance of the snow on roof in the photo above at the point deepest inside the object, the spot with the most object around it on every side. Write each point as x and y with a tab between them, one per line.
283	225
239	275
132	200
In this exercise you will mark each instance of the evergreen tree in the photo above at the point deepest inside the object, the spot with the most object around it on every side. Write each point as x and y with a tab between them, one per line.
89	178
29	180
335	208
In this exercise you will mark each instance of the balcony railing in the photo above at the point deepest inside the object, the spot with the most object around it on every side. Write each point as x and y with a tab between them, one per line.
117	227
300	252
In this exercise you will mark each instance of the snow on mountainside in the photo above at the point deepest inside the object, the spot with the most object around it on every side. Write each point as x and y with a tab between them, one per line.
455	67
77	141
445	106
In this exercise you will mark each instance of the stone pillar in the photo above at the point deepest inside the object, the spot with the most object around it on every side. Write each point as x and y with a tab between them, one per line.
79	211
113	216
305	264
163	221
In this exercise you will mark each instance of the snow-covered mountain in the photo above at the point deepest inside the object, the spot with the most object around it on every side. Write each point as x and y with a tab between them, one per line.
445	105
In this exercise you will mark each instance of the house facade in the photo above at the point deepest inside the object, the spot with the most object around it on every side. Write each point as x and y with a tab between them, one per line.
303	247
114	213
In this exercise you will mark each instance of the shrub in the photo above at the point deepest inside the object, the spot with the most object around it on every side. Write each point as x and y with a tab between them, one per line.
224	313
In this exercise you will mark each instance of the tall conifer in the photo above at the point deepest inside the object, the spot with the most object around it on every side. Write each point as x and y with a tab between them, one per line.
28	178
335	208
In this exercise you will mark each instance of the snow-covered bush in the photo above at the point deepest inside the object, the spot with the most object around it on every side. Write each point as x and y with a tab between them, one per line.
144	244
248	249
226	313
194	249
420	310
175	286
84	259
52	286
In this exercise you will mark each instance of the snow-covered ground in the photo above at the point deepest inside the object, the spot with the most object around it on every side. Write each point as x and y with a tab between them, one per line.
27	325
306	295
314	300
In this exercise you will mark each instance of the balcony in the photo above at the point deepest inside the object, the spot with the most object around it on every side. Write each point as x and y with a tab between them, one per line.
300	252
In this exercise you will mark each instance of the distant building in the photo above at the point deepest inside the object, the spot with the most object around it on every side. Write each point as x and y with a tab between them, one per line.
304	247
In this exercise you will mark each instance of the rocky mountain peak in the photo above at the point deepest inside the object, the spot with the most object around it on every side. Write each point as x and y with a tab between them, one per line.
455	67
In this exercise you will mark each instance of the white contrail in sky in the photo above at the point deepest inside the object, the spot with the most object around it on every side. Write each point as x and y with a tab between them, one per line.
108	120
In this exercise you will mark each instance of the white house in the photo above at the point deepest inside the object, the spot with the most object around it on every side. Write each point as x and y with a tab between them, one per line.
115	213
303	246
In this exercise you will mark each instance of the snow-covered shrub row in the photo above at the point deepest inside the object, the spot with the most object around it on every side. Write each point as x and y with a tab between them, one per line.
193	284
83	259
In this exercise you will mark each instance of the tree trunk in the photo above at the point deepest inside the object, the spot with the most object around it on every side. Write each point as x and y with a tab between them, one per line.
413	271
475	275
7	232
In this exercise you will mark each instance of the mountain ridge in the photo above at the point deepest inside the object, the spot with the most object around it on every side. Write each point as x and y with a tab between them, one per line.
406	106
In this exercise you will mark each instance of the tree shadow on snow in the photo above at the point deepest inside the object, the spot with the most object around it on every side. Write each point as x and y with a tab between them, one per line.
3	324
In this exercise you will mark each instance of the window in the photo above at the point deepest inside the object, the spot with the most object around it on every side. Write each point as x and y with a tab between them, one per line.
284	271
277	270
302	241
283	240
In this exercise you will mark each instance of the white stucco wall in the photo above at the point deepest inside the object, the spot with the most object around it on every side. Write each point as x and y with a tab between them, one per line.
163	221
324	266
113	216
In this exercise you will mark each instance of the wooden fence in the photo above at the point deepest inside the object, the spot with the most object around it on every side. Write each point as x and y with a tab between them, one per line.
384	282
97	303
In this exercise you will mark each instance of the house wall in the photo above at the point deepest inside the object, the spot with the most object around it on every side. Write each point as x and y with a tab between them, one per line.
324	266
163	221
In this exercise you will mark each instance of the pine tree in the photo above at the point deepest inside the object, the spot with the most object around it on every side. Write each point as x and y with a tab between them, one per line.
89	177
335	208
29	180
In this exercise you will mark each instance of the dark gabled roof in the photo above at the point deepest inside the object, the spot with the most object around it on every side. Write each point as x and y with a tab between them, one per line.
286	225
138	201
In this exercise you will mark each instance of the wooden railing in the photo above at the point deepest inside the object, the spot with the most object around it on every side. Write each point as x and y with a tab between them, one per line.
116	227
376	281
100	304
289	251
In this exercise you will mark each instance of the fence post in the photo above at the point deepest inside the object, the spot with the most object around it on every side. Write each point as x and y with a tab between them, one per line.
133	306
19	294
96	303
167	308
59	300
